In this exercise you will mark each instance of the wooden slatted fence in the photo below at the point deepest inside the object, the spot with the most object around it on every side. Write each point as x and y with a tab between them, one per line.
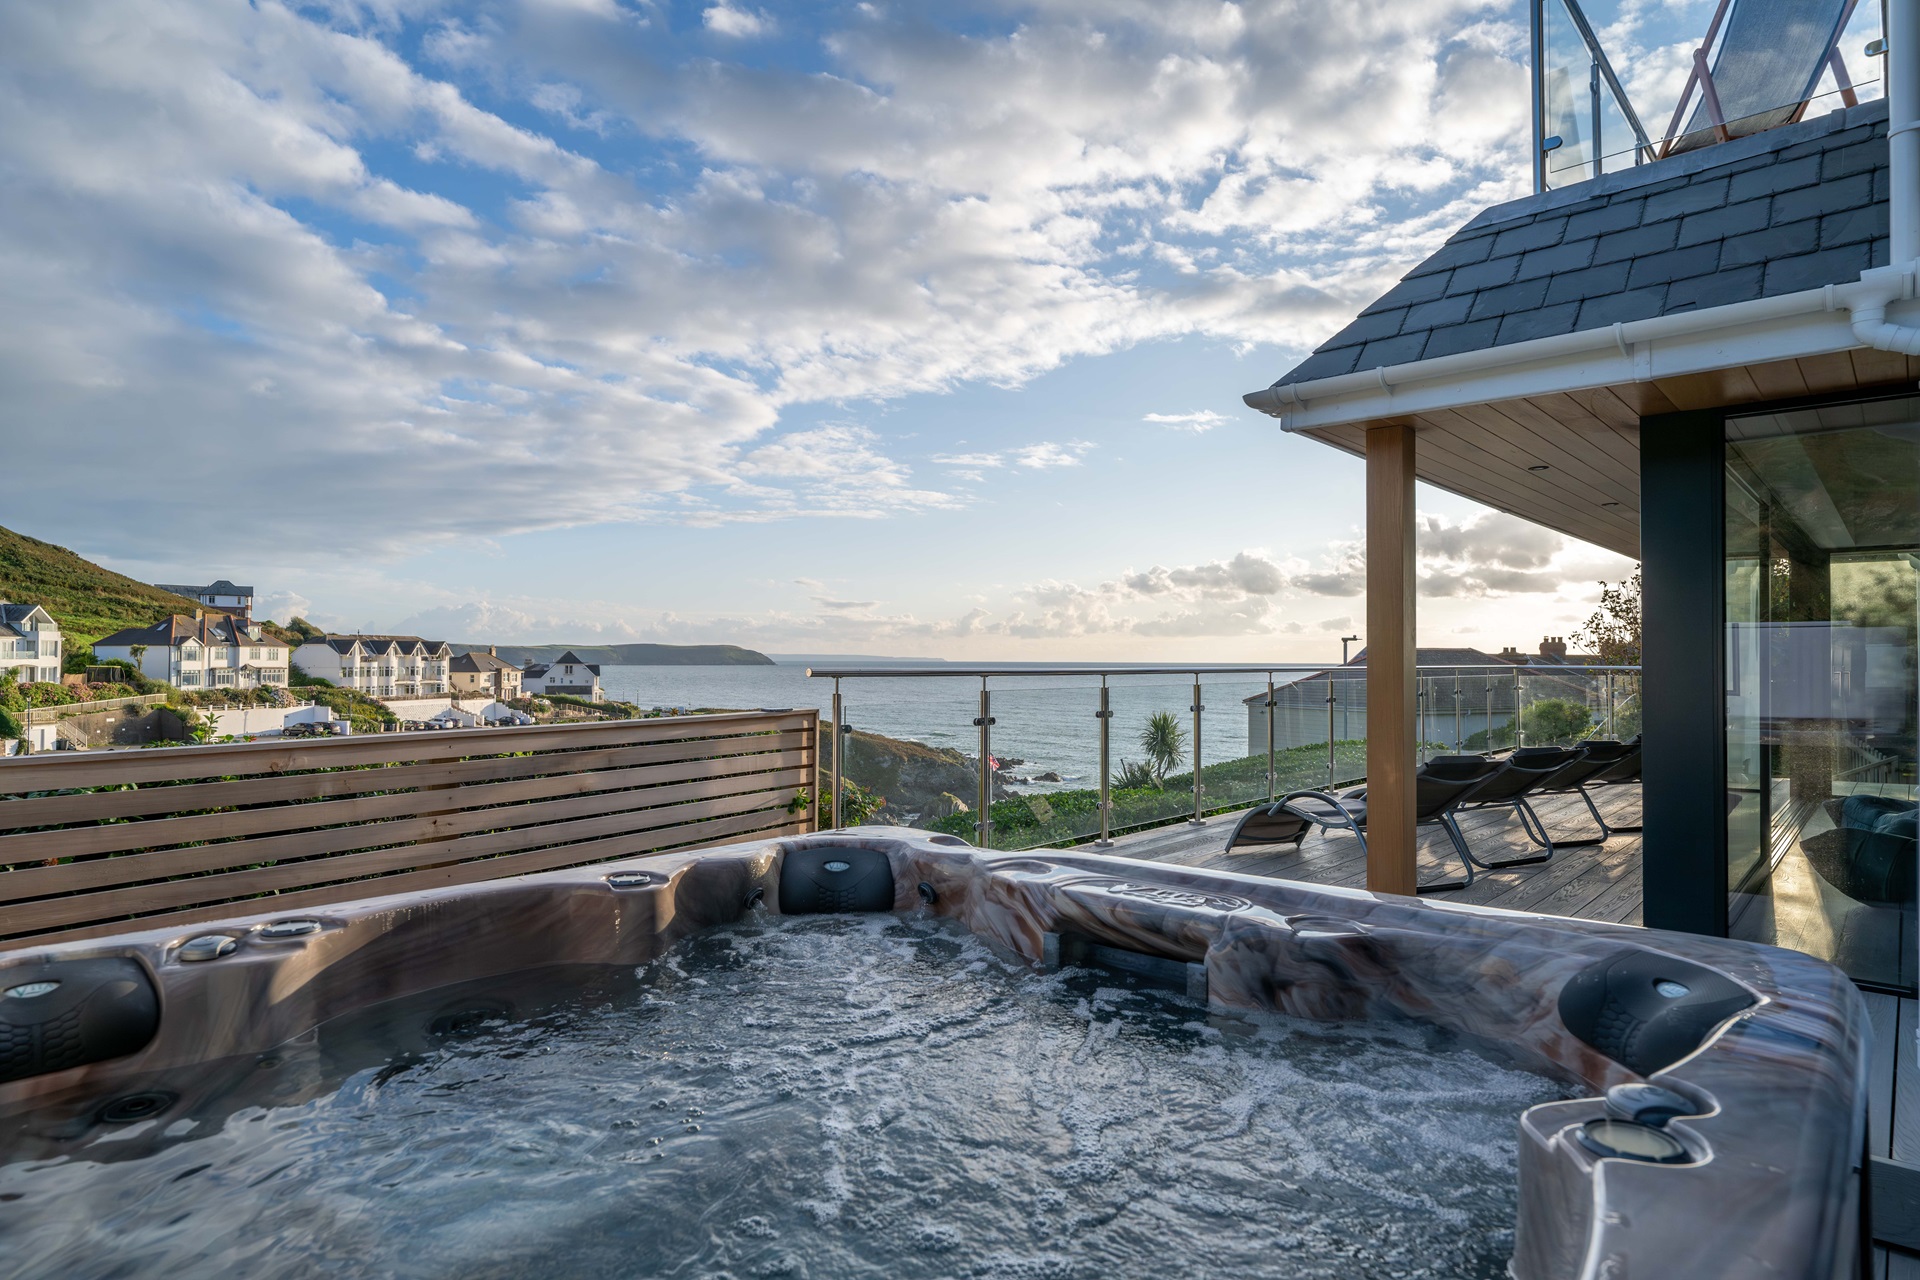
106	842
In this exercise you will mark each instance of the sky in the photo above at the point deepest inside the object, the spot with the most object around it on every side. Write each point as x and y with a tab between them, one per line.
844	328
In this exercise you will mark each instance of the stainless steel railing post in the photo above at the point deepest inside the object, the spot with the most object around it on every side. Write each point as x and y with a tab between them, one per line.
1330	779
1519	734
1197	820
839	720
1273	789
984	825
1105	716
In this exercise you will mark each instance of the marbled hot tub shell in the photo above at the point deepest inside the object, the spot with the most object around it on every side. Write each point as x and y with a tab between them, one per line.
1764	1048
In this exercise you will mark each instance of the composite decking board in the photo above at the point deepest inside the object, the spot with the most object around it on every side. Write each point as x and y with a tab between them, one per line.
102	873
482	766
694	802
759	824
160	832
54	772
1597	882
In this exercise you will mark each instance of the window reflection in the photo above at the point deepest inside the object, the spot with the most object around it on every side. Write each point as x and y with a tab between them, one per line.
1823	531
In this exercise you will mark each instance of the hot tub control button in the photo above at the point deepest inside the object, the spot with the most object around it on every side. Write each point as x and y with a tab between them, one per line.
1672	990
1625	1140
208	946
837	867
630	879
28	990
282	929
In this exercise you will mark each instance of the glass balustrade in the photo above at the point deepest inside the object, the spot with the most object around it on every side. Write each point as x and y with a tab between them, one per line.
1018	759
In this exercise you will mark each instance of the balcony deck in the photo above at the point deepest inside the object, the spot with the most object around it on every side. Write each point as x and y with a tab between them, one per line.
1595	882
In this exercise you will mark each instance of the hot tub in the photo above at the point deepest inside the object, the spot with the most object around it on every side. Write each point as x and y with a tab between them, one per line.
1706	1118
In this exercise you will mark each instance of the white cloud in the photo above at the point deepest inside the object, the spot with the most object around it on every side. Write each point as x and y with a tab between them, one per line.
1049	454
726	20
1491	554
282	605
1198	421
295	242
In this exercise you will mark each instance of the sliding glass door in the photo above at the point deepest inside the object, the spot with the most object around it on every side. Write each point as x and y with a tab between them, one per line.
1822	563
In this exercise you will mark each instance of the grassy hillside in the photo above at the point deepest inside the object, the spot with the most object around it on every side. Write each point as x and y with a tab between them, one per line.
87	601
631	655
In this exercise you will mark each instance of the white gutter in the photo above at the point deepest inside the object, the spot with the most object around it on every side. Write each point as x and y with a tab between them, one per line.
1630	346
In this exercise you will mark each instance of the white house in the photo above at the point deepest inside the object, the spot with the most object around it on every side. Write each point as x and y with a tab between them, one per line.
216	597
379	666
206	651
567	674
30	644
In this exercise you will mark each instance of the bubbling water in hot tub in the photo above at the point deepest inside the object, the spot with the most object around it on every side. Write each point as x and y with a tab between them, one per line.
820	1097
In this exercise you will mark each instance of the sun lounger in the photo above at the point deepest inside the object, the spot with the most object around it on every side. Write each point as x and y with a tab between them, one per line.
1624	771
1508	786
1769	62
1435	797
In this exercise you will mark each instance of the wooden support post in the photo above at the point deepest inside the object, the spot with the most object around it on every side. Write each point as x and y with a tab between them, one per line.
1390	660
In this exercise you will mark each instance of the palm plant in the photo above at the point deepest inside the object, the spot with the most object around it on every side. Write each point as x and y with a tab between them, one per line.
1134	775
1165	742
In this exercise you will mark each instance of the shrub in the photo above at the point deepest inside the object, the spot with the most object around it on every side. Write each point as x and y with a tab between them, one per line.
297	677
9	726
1555	721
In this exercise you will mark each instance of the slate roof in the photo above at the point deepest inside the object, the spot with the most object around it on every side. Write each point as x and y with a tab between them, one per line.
13	618
176	629
408	645
1790	209
571	657
220	588
474	663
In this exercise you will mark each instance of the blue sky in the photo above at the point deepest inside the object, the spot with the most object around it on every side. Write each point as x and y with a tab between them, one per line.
837	328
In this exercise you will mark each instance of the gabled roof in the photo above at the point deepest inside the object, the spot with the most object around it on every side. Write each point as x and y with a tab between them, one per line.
219	588
407	645
14	617
177	628
480	662
1795	208
572	658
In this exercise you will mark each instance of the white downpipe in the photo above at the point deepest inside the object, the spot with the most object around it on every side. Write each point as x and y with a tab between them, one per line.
1866	299
1883	285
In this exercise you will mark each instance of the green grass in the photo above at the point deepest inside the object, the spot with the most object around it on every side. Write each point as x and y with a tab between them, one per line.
1062	818
87	601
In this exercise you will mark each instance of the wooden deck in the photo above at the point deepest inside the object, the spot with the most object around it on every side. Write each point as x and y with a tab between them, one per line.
1594	882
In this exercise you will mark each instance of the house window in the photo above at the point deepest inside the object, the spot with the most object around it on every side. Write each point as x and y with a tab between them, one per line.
189	678
1822	563
254	653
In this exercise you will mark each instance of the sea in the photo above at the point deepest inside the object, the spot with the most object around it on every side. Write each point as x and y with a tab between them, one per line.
1047	723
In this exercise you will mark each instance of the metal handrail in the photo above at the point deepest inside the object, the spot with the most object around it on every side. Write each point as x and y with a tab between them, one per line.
1310	668
1342	673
